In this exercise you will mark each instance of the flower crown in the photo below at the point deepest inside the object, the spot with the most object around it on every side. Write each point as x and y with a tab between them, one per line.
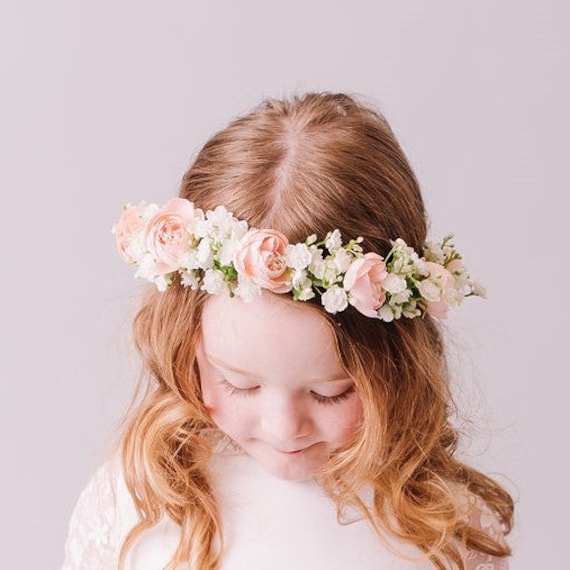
218	253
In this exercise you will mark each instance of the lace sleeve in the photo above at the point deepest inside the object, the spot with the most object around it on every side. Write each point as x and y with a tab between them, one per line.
482	518
91	543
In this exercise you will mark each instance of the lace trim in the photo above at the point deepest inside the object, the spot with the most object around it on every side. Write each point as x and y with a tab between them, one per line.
482	518
91	544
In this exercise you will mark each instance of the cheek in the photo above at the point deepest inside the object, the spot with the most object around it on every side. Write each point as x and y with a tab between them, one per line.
228	415
347	420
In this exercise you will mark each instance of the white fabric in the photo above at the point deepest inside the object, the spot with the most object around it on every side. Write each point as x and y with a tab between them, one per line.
268	523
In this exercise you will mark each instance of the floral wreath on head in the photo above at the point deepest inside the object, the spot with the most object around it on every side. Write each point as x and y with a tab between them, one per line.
218	253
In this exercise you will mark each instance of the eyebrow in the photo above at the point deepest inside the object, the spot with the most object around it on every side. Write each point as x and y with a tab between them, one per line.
237	370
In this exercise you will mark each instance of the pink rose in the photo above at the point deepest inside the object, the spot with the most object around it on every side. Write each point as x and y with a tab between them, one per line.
449	294
129	224
167	234
261	257
363	281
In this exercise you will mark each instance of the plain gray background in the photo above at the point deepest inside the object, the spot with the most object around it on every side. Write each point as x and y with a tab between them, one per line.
106	101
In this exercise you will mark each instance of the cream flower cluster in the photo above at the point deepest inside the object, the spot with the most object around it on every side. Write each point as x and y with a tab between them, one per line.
218	253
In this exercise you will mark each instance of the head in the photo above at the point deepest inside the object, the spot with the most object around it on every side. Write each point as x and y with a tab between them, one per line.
304	166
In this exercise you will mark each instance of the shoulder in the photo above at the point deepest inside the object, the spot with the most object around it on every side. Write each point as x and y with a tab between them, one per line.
102	517
479	516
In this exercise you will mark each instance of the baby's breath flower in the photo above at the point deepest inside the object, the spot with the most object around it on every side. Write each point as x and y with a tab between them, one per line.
247	289
298	256
334	299
333	241
214	282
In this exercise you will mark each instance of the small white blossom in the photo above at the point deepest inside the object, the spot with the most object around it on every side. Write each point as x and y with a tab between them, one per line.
214	282
227	251
302	285
317	265
136	247
394	284
190	260
434	252
429	290
162	282
331	272
334	299
297	256
477	288
247	289
333	241
145	269
386	314
204	253
200	228
401	297
189	279
452	296
342	260
148	211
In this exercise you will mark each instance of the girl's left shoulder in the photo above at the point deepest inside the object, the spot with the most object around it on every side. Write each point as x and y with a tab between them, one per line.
479	516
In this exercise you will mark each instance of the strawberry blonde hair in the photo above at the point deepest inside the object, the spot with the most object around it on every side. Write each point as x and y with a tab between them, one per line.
306	166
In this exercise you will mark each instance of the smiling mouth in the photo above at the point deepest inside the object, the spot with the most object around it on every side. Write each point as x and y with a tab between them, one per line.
295	452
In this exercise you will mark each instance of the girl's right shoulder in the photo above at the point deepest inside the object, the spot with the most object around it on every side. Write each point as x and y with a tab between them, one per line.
101	519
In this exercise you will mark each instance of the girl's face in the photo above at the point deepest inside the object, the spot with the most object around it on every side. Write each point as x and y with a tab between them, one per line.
273	382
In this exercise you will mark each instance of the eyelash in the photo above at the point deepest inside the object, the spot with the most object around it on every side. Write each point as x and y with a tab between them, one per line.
326	400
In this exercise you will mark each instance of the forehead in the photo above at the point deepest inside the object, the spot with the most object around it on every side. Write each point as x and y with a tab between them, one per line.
270	332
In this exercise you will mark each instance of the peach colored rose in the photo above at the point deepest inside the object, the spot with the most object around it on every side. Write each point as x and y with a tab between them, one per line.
129	224
167	234
363	281
261	257
445	281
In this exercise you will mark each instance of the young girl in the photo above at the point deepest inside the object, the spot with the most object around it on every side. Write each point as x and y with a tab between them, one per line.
298	411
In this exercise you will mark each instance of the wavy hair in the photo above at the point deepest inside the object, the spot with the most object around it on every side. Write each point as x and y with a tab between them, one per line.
302	166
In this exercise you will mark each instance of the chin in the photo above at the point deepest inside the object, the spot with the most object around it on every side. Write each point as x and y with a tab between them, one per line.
291	469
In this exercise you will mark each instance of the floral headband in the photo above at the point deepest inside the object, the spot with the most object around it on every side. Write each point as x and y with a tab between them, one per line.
218	253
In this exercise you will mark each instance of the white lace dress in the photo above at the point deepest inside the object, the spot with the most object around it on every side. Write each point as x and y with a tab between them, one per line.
268	523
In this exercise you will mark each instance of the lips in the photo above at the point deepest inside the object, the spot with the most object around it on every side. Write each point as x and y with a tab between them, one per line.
295	451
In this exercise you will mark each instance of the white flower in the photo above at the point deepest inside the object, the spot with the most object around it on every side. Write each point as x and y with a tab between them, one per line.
222	225
452	296
331	272
333	241
302	285
401	297
148	211
162	282
386	314
145	269
200	228
317	265
342	260
434	252
227	251
214	282
394	284
189	279
297	256
429	290
247	289
136	246
477	288
204	253
190	260
334	299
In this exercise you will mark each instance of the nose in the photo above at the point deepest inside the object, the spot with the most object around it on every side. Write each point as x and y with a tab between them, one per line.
284	422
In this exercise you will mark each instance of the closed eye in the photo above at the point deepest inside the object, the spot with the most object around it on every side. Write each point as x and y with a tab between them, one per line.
235	391
334	399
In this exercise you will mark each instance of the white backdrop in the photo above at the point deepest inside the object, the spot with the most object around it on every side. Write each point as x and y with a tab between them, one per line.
107	101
